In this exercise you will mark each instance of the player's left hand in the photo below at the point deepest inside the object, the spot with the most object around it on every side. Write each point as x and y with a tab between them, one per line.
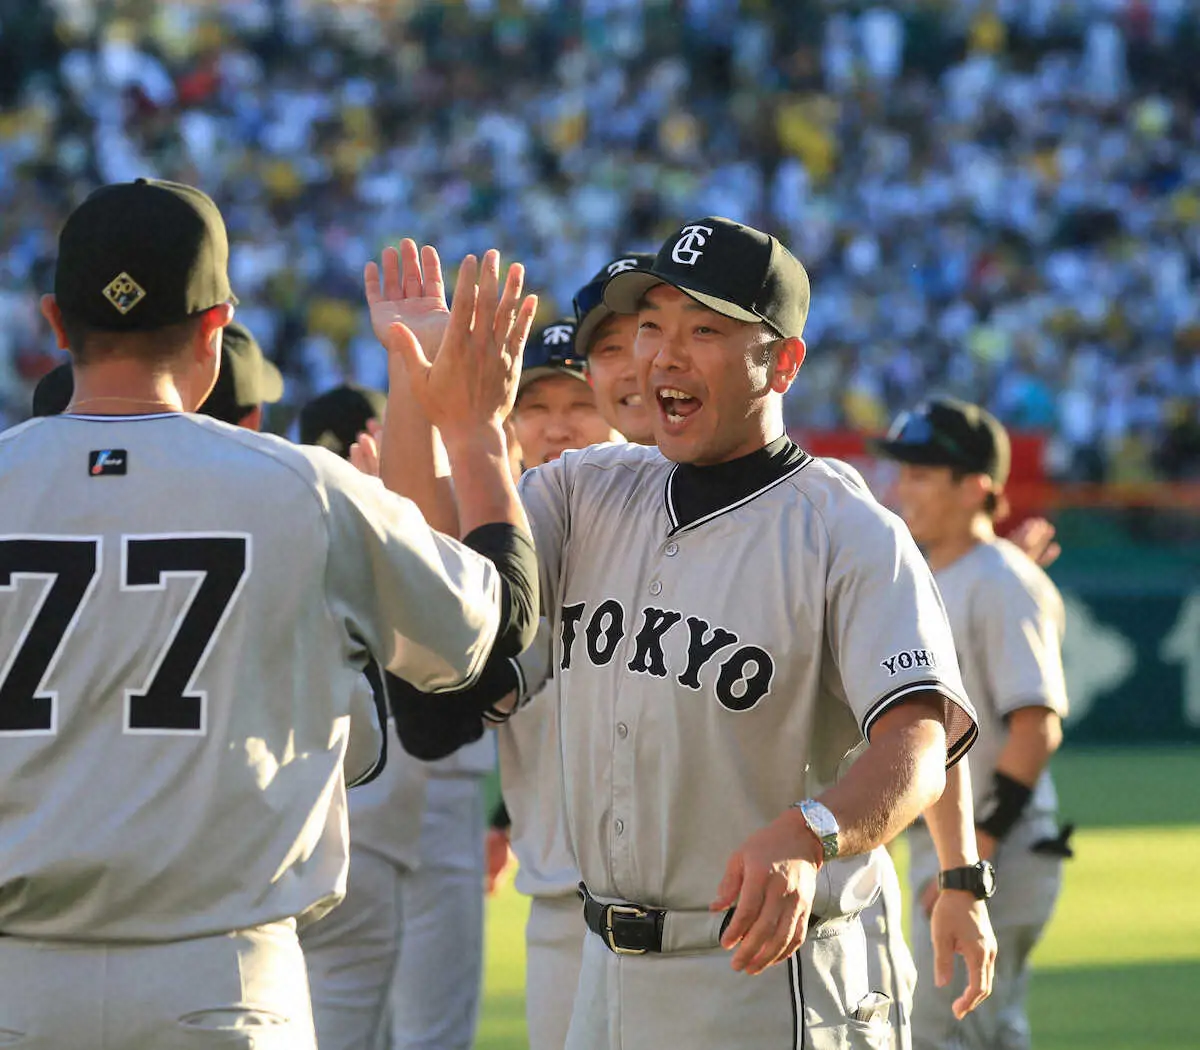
959	925
772	877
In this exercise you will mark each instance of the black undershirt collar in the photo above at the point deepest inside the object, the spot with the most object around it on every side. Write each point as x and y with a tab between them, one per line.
695	492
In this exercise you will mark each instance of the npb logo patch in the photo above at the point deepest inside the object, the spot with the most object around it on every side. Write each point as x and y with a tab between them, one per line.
107	462
689	247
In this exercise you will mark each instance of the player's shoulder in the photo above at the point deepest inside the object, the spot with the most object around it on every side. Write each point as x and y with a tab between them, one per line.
31	429
1006	569
842	502
608	465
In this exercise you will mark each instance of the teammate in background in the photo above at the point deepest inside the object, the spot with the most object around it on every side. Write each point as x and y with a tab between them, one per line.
352	952
1007	619
606	339
246	381
188	740
688	715
555	411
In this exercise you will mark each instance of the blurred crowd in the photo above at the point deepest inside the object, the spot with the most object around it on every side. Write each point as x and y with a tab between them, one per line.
998	199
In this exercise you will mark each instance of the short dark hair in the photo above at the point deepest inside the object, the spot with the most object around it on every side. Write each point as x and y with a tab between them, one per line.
157	345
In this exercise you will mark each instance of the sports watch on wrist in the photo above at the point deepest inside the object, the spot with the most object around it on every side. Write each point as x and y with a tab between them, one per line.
821	823
978	879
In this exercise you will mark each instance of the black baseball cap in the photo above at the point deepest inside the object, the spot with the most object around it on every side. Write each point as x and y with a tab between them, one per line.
336	418
590	309
246	380
734	270
949	433
551	351
136	256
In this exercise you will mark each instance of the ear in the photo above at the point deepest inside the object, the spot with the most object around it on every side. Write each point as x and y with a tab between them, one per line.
53	315
788	357
974	489
208	343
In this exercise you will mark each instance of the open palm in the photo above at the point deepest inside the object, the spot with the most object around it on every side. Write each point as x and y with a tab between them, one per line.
409	289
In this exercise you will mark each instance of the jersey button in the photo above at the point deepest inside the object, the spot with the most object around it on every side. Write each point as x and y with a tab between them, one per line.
671	550
655	588
620	826
622	730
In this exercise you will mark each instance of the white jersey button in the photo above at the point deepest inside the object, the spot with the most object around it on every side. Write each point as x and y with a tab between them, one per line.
622	730
620	826
655	587
671	549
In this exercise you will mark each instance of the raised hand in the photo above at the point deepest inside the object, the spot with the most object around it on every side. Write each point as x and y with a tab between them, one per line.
410	290
473	380
364	453
1035	536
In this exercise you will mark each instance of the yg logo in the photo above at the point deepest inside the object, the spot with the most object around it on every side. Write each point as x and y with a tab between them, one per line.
558	334
620	266
690	244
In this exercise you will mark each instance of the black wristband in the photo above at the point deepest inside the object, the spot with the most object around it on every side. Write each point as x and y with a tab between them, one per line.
511	550
1003	808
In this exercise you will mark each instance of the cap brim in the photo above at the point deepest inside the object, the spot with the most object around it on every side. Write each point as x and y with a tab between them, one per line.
532	375
270	383
907	452
624	293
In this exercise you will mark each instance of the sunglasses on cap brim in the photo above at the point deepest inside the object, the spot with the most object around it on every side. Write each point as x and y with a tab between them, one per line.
914	430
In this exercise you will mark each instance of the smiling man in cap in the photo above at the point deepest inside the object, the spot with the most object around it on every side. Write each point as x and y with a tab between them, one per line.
727	621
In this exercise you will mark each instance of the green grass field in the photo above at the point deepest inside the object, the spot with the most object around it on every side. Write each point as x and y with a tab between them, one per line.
1120	960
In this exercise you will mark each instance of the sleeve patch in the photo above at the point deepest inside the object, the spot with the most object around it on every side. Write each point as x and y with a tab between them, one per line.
907	659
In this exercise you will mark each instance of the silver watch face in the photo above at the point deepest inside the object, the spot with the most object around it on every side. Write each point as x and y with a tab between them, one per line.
824	825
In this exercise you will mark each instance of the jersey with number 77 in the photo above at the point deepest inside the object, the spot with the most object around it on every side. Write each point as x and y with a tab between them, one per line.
185	612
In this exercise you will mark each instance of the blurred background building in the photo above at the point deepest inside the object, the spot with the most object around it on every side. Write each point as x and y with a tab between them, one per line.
996	199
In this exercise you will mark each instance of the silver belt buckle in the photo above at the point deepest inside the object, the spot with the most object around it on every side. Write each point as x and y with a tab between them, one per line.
626	911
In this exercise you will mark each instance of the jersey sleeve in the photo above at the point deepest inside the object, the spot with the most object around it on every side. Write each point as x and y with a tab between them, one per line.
1022	645
887	629
545	493
533	666
426	606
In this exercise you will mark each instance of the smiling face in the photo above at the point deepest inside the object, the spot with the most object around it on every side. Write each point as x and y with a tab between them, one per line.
555	413
614	379
714	385
936	505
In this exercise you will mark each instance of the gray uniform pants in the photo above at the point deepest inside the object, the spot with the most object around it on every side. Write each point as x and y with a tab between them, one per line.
553	954
237	991
889	961
352	954
1028	885
435	994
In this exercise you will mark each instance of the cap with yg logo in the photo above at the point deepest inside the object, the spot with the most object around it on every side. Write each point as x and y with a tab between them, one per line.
734	270
590	310
551	351
141	255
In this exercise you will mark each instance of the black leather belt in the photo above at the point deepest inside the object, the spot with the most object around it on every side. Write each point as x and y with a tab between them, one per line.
627	929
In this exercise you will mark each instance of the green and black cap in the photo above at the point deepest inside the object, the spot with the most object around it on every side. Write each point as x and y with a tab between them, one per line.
551	351
246	380
334	419
136	256
949	433
590	310
732	269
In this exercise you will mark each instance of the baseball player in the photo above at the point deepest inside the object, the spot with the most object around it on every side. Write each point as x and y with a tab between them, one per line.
1007	619
185	611
246	381
352	952
728	615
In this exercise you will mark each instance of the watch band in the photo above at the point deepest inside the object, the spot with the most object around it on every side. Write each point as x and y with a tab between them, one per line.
977	879
822	823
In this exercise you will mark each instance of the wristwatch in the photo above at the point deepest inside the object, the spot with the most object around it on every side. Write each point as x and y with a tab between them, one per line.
978	879
821	823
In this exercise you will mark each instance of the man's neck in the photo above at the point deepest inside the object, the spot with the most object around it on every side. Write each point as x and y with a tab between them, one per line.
123	388
946	552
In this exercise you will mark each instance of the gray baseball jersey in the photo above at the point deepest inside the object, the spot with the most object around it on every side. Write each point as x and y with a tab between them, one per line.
707	676
185	611
1008	622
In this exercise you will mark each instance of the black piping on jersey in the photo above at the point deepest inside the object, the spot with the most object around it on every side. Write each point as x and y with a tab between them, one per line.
796	995
674	520
953	753
379	695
